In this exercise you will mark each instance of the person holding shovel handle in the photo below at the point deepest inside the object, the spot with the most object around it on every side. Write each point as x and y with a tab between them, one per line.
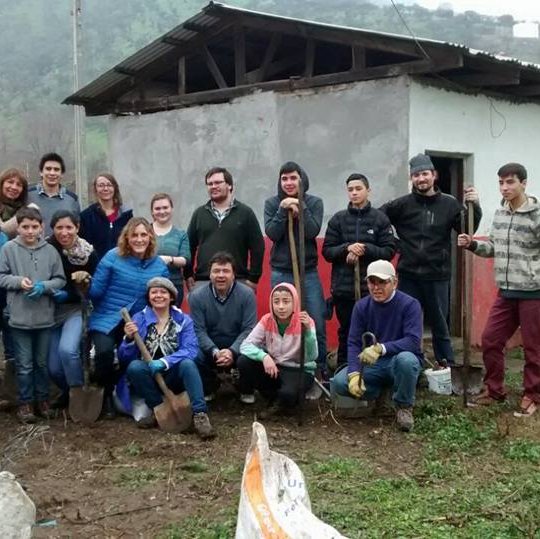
514	243
354	238
169	336
119	281
79	261
276	215
395	359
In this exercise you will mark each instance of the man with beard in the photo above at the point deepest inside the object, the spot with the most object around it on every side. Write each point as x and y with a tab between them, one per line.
224	224
424	220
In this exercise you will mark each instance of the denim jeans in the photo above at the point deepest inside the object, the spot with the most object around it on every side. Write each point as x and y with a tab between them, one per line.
30	348
7	338
314	303
65	367
183	375
434	297
400	372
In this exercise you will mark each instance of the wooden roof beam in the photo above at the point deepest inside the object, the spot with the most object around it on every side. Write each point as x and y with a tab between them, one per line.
342	36
275	42
254	77
488	79
214	68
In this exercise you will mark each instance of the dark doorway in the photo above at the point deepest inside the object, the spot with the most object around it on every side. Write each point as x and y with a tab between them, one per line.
450	170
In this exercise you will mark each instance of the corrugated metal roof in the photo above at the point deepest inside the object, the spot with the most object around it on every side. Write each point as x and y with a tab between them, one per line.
211	16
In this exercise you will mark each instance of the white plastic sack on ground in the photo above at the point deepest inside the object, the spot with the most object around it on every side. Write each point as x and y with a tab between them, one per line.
17	510
274	503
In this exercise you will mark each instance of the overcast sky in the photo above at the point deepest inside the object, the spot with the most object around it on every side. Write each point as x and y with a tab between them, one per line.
521	9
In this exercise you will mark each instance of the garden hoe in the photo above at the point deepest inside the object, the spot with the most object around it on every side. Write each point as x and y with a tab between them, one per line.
174	413
467	379
85	402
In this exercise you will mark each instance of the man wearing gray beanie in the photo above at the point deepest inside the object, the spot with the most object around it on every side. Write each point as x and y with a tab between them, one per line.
424	220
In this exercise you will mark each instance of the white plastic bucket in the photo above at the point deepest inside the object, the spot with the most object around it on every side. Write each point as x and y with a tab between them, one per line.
440	381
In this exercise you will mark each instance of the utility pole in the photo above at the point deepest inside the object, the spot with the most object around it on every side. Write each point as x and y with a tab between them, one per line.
81	186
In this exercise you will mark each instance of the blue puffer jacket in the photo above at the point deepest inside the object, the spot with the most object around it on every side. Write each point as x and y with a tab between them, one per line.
120	281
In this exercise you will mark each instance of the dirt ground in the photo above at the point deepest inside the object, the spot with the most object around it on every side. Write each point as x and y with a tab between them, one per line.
114	480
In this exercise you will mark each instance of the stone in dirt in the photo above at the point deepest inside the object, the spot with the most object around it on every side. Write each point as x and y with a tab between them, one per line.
17	510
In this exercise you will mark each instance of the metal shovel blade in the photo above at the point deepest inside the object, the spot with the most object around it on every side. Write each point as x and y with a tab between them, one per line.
174	413
85	404
476	379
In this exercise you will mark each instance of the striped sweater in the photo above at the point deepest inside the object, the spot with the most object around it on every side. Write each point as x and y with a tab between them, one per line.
514	243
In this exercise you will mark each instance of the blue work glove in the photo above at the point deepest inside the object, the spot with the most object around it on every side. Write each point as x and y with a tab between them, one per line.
60	296
37	291
155	366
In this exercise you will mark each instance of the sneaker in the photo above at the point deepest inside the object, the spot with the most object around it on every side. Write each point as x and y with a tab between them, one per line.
247	398
314	393
527	408
146	422
44	410
405	419
484	399
25	413
202	425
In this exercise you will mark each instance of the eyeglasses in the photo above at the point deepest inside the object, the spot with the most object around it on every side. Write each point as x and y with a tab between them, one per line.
215	184
104	186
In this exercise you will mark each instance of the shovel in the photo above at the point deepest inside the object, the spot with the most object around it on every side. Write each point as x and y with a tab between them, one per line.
85	402
466	379
298	264
174	413
357	284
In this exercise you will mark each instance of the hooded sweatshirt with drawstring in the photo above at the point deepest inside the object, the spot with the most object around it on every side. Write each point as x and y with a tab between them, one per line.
276	225
514	243
282	341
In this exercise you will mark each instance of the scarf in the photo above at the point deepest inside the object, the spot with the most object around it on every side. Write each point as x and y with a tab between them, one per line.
79	252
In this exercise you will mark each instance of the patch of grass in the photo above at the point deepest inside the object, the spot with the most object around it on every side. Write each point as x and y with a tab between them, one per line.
195	527
133	449
522	450
194	466
138	477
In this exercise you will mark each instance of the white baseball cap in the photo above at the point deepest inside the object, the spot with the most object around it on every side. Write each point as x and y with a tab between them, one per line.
381	269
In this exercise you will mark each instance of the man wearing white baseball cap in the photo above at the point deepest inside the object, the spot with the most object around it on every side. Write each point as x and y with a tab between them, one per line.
394	360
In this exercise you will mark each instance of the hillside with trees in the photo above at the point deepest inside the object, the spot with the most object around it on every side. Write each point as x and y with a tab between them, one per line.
36	65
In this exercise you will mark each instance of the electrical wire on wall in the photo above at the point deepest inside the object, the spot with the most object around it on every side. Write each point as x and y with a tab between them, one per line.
492	108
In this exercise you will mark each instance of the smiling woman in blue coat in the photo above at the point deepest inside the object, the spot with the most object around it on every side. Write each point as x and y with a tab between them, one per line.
120	281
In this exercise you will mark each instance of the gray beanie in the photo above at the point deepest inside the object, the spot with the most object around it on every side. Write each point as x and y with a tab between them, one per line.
420	162
162	282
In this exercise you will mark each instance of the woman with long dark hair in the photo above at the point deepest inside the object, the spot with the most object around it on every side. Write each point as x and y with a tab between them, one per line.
79	261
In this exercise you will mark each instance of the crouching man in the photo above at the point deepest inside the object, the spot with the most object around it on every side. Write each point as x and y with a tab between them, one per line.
394	360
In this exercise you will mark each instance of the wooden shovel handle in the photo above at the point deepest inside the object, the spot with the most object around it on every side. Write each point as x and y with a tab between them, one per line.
294	257
145	353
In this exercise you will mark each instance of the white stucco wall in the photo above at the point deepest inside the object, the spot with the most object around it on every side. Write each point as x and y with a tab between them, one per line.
332	132
490	132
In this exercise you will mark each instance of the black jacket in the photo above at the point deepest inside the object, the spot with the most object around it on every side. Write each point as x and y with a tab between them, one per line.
97	230
366	225
239	234
276	227
424	226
